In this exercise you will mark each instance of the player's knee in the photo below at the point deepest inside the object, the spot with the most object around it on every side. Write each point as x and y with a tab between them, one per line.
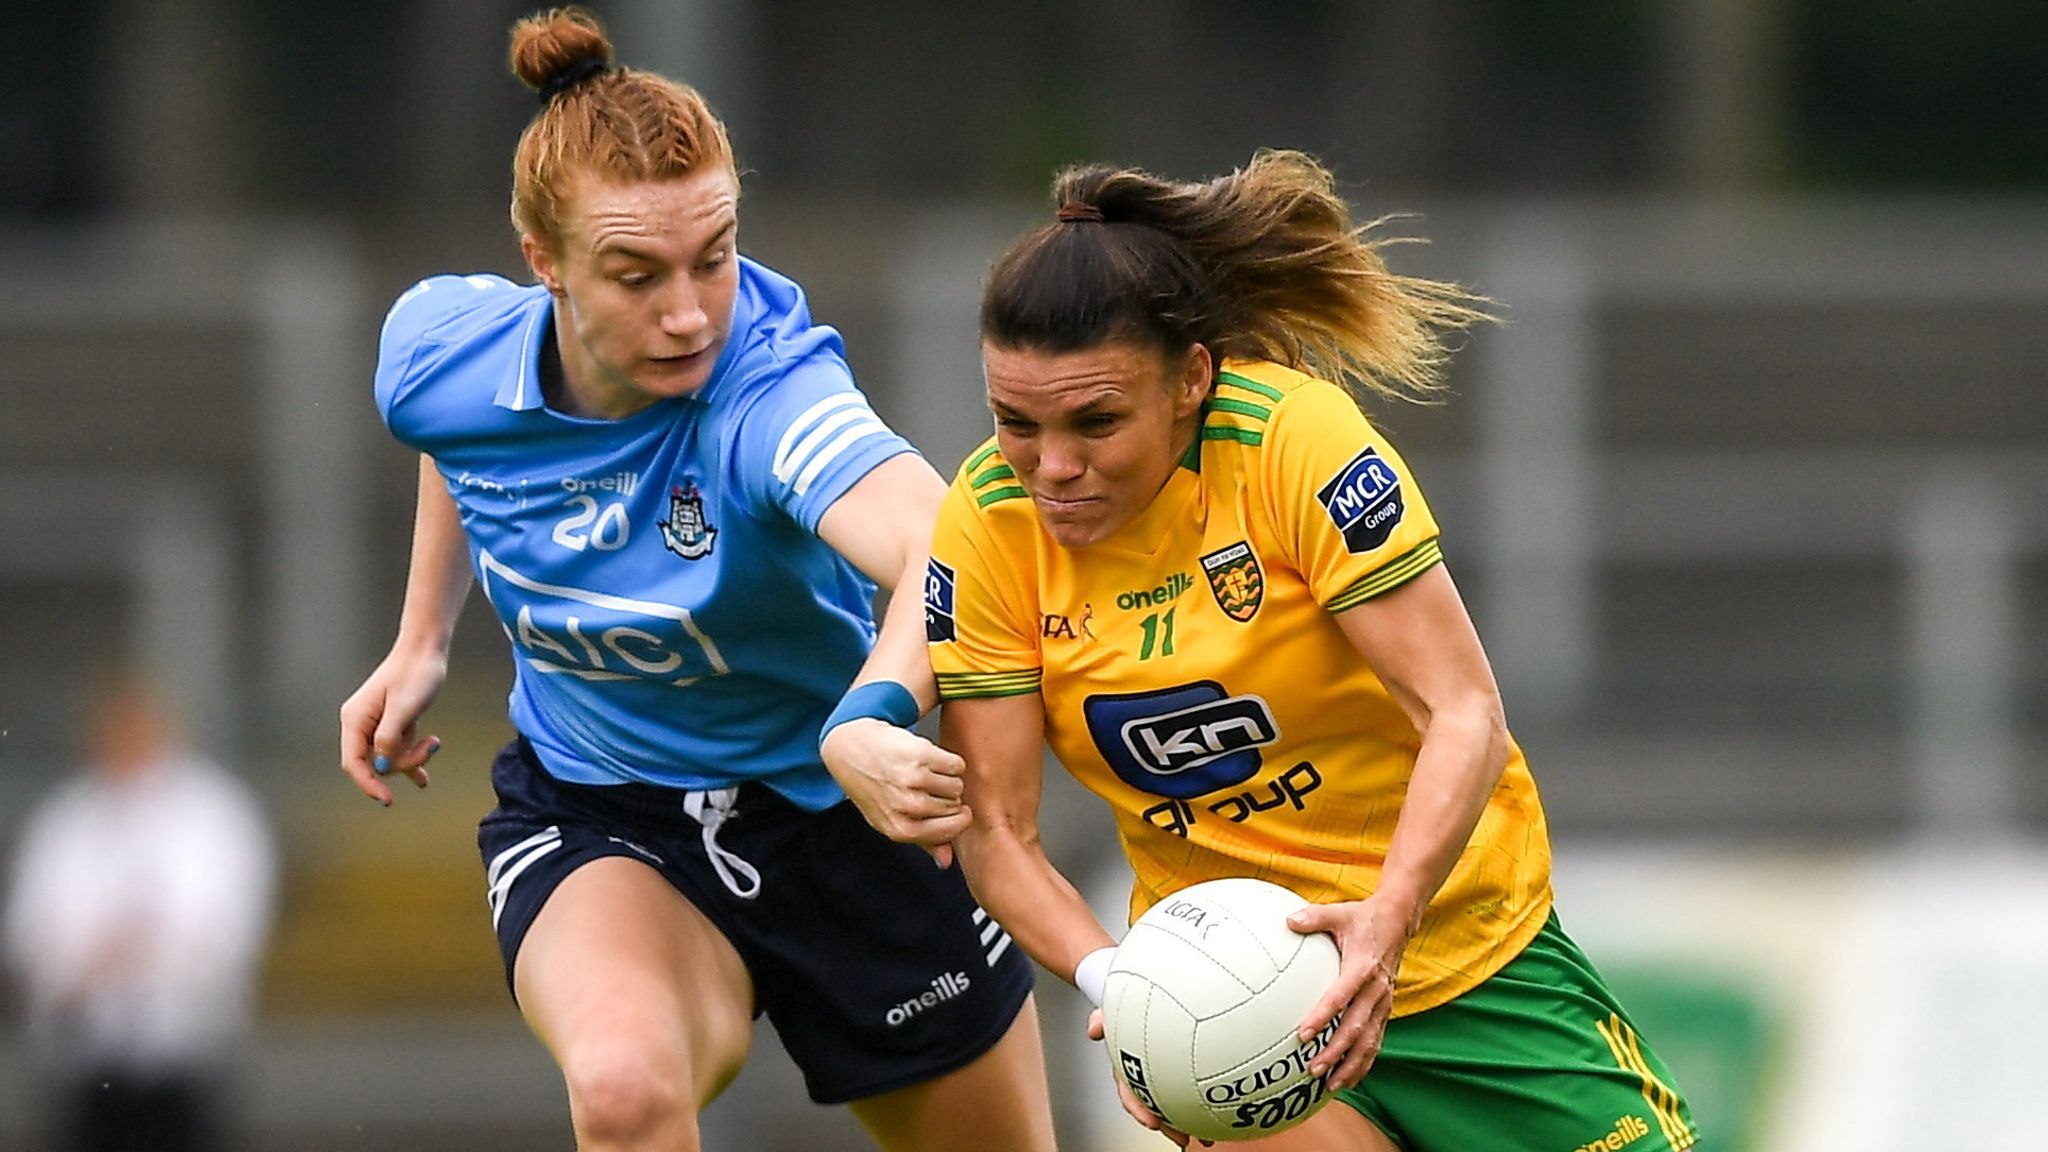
619	1097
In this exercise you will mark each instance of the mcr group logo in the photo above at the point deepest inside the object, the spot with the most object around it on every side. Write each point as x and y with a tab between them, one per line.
1364	500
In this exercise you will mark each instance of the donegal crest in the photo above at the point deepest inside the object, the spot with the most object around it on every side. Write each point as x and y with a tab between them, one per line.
1235	578
685	532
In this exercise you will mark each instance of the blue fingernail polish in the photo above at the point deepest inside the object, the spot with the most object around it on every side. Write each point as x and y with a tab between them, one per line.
382	765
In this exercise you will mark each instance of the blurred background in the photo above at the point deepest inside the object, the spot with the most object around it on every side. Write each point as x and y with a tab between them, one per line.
1748	495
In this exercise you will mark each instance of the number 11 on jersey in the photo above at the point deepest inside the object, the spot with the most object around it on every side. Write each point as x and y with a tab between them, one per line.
1158	635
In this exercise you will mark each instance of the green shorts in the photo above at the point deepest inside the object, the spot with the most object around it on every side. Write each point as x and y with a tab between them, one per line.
1541	1056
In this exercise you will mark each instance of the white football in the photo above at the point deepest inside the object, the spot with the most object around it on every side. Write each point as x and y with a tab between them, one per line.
1200	1009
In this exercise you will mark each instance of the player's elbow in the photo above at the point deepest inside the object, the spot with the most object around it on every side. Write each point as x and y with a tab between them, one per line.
993	841
1490	722
1476	720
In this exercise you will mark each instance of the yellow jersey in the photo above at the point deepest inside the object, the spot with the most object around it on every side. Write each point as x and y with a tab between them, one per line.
1193	675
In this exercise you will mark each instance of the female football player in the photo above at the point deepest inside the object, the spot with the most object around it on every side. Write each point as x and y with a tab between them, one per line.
1190	563
679	505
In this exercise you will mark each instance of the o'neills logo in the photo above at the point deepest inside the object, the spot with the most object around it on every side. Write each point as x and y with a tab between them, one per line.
1627	1130
945	986
1166	593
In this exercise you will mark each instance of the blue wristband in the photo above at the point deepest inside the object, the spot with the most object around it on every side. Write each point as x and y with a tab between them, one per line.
875	700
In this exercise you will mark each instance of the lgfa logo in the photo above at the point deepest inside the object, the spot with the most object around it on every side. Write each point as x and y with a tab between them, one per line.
945	986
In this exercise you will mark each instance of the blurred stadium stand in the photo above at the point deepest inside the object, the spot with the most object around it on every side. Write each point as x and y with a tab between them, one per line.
1746	493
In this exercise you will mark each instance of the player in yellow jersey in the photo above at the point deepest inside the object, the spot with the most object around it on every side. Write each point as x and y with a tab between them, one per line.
1189	563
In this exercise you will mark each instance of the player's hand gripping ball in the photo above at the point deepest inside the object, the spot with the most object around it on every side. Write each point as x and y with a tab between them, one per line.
1201	1006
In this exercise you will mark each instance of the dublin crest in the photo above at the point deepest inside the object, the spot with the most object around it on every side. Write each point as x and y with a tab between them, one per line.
685	532
1235	578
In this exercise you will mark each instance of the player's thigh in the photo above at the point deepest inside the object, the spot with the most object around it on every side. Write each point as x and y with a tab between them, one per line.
1541	1054
1336	1128
997	1102
620	972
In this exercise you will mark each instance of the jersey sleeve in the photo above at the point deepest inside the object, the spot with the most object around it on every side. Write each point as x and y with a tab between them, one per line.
809	438
402	343
1343	501
980	617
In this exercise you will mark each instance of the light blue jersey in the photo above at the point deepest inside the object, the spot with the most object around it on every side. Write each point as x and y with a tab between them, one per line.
674	618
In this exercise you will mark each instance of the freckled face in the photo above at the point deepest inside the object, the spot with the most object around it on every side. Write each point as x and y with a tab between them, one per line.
1094	434
644	276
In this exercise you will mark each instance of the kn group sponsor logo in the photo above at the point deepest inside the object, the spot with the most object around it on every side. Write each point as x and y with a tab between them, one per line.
1290	790
938	603
1181	742
1364	500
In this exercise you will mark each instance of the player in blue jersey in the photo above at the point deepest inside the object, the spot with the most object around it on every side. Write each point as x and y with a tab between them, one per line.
679	506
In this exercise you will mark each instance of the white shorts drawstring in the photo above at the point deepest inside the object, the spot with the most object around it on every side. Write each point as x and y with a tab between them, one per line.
711	809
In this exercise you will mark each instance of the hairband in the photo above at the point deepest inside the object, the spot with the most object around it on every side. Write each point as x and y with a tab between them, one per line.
571	76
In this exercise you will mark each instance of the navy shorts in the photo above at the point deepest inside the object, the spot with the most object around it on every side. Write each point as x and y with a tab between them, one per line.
875	966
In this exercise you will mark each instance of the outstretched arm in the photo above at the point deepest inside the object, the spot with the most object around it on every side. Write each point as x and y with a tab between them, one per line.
883	526
907	789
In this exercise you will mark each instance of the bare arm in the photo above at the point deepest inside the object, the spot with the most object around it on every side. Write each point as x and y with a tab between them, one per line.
905	787
437	582
1420	642
883	526
379	721
1002	741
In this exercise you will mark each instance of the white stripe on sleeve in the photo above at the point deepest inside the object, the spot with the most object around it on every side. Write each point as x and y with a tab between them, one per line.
872	426
819	433
784	466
